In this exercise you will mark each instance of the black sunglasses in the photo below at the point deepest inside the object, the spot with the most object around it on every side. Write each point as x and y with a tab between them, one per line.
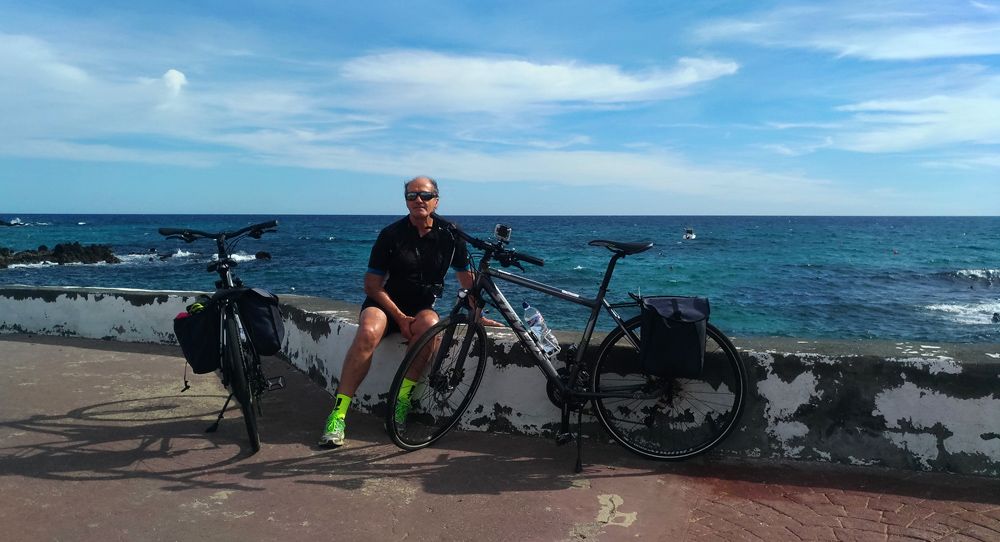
425	196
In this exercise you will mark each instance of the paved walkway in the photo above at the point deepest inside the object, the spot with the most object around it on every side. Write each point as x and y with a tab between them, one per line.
98	443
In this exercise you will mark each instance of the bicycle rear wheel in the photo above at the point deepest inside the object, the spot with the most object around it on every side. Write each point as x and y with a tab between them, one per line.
669	419
236	358
447	363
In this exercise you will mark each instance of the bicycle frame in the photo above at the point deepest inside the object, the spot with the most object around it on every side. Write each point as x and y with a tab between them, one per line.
484	283
659	416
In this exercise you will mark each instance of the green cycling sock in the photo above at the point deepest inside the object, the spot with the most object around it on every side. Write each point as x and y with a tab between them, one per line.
340	410
405	388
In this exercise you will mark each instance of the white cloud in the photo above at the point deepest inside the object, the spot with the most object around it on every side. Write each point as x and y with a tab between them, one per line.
874	31
44	148
968	117
20	55
425	80
175	81
759	190
966	163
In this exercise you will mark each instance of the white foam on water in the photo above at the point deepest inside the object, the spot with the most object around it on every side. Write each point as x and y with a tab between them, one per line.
973	313
138	258
239	257
986	274
38	265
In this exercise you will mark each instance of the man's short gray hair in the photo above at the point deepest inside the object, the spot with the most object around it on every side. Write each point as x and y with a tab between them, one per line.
417	178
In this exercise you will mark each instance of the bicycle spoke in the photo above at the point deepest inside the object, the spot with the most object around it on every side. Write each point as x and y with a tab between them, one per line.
688	416
447	363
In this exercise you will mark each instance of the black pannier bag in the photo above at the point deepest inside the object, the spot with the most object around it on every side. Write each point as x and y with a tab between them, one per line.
673	336
262	320
198	335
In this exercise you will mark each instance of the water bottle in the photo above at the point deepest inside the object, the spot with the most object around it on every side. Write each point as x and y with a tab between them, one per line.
536	326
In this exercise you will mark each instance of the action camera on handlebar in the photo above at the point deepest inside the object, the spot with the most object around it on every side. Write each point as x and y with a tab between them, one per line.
502	232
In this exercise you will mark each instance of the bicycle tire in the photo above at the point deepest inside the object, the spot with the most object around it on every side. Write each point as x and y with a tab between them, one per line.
444	387
677	418
240	385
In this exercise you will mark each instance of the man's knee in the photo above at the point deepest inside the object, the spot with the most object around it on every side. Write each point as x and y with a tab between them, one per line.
368	336
423	321
371	328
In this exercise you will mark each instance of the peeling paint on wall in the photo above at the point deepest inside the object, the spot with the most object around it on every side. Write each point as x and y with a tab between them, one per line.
930	423
900	405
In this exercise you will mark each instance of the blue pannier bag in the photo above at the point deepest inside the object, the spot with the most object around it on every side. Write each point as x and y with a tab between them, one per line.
672	342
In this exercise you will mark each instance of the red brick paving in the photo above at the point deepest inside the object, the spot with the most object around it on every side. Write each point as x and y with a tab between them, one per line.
96	443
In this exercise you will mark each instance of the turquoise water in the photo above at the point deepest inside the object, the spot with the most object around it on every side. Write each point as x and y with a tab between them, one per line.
897	278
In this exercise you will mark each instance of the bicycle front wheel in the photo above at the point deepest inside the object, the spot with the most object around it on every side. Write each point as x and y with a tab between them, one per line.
669	419
447	364
236	358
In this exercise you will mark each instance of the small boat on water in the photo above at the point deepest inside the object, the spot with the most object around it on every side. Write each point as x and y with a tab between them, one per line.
689	234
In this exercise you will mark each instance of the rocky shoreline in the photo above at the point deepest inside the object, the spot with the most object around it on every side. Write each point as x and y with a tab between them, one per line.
60	254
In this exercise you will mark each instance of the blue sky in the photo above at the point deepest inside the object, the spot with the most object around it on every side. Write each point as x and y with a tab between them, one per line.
805	108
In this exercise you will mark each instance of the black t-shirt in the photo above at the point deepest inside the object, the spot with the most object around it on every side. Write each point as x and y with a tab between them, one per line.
415	265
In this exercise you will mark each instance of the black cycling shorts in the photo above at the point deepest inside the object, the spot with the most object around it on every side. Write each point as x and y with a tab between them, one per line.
392	326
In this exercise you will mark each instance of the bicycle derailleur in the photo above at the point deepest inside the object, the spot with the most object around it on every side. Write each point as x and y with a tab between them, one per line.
555	395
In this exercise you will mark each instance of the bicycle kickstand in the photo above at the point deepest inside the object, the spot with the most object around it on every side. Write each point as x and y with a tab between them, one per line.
565	435
215	426
579	441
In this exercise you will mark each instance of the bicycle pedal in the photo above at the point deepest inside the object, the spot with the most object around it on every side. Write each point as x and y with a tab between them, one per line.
564	438
275	383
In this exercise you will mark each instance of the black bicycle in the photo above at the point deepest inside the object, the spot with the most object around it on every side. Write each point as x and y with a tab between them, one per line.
662	418
234	353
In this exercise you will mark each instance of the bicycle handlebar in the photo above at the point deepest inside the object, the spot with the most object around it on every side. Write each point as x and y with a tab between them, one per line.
190	235
503	255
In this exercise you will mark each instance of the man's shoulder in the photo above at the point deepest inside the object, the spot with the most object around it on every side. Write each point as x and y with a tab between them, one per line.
396	227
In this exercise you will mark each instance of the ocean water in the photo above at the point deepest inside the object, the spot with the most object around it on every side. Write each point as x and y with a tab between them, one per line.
894	278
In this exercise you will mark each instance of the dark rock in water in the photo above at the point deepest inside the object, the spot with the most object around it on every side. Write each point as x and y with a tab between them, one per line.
996	317
62	253
77	253
263	255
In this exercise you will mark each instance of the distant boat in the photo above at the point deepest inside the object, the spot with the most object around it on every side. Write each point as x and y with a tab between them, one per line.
689	234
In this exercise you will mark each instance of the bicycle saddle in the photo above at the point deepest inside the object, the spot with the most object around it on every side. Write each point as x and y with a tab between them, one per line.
623	248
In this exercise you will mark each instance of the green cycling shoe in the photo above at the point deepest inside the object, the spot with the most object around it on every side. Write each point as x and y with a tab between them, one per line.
333	435
402	411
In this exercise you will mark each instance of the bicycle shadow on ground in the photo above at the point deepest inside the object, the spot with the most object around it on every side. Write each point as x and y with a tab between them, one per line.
127	439
536	462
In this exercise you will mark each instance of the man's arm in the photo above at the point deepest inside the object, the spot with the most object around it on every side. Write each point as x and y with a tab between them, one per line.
466	278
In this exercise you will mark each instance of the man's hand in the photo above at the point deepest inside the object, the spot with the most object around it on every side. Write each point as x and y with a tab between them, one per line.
490	322
404	326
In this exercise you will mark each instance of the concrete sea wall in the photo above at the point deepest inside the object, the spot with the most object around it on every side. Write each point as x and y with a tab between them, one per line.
919	406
